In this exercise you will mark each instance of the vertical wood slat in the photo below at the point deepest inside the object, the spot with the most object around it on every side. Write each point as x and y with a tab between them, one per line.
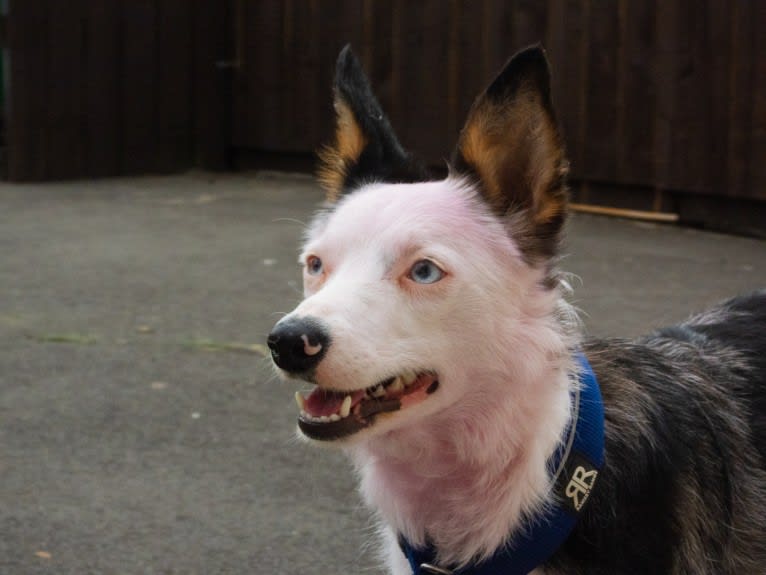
601	88
739	159
718	54
211	83
174	81
470	24
65	153
570	37
27	154
347	25
304	81
757	185
102	93
637	86
690	135
257	107
139	85
422	64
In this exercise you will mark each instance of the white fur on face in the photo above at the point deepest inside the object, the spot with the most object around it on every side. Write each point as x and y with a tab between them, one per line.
381	322
463	466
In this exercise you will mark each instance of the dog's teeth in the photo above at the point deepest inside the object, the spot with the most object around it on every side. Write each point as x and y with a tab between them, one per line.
323	418
378	391
397	386
345	409
409	379
334	417
300	400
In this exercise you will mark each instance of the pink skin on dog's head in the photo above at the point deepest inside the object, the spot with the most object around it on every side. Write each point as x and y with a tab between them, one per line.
487	328
381	321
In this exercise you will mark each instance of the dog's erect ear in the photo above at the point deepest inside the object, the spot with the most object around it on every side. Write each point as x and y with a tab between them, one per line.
365	148
512	146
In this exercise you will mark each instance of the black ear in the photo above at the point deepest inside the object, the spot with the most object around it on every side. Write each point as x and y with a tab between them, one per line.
511	145
365	148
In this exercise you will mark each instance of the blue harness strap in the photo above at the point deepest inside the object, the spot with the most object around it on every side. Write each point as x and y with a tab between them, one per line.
574	467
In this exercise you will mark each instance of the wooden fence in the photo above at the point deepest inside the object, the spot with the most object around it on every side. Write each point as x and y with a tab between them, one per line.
657	95
110	87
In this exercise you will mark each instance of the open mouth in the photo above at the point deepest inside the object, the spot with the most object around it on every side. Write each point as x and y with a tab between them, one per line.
328	414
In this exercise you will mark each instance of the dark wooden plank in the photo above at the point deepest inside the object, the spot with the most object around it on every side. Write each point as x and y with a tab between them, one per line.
27	153
529	23
421	101
741	66
394	109
64	89
757	184
568	34
288	84
499	42
455	77
302	88
258	86
473	73
599	154
367	40
666	23
213	53
376	41
718	52
554	44
139	86
102	90
636	93
690	134
349	20
175	87
17	109
428	127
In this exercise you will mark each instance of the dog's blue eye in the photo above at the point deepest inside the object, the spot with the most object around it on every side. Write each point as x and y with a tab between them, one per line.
313	265
425	272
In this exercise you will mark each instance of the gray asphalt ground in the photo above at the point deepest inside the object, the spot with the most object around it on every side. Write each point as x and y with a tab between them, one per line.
141	428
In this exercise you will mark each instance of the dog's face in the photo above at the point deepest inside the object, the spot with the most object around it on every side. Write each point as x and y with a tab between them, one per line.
413	286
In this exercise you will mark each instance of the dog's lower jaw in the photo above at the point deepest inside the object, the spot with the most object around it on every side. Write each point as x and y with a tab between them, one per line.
465	479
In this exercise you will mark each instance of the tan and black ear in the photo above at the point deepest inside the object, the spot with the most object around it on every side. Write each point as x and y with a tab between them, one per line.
511	145
365	148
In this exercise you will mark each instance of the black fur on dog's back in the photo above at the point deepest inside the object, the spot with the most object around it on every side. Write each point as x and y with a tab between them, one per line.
684	486
745	330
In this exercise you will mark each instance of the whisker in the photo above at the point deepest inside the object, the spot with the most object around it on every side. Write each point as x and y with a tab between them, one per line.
290	221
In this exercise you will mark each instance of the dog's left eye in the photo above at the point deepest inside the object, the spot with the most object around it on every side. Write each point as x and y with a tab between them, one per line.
425	272
314	265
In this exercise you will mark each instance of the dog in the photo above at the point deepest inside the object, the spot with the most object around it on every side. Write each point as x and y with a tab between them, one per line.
488	434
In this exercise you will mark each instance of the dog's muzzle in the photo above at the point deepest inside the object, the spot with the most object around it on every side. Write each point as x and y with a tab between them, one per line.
298	344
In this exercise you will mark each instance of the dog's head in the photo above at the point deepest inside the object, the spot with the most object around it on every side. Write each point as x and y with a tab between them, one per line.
421	296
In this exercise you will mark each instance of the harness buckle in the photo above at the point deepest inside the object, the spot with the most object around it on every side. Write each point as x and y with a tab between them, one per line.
434	570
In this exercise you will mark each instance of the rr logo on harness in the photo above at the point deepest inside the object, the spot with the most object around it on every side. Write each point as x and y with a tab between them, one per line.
578	488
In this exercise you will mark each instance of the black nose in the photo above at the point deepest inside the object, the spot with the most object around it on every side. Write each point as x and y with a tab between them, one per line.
298	344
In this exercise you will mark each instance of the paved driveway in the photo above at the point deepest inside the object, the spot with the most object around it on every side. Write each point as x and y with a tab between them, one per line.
141	429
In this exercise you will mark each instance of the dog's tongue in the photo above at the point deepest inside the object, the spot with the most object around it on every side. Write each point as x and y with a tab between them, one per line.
322	402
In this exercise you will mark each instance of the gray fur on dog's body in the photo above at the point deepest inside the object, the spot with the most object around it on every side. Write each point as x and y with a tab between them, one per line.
684	487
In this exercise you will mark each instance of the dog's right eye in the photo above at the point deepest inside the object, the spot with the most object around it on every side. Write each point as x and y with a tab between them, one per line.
313	265
425	272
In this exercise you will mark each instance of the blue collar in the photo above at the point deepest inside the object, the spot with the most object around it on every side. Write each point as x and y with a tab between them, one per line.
575	467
